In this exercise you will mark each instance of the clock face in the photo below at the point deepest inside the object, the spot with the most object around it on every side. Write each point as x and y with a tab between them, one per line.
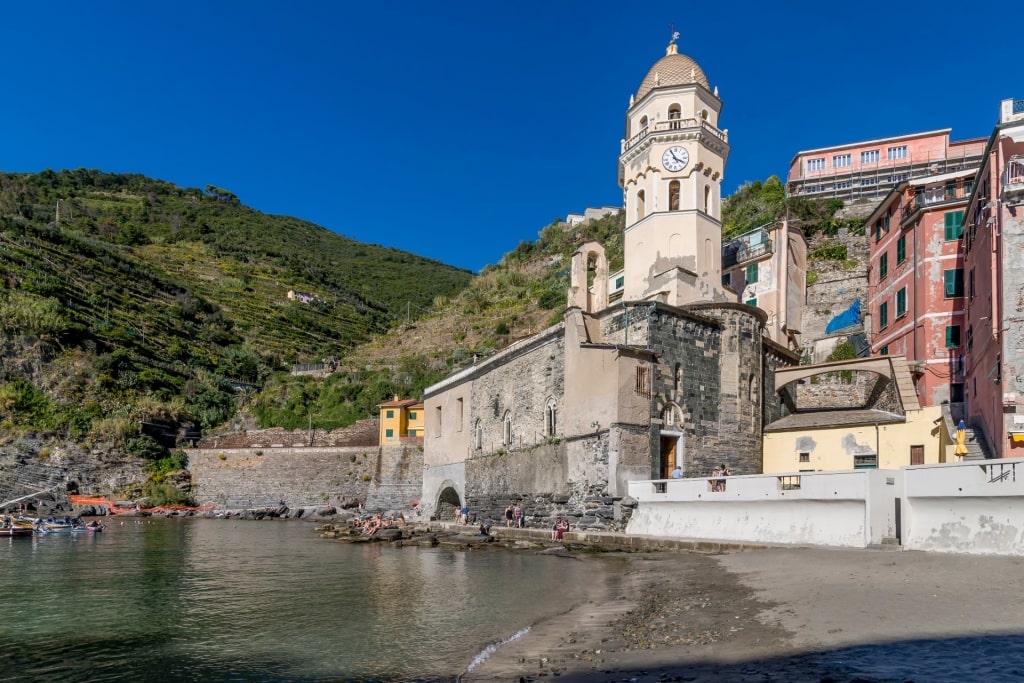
675	158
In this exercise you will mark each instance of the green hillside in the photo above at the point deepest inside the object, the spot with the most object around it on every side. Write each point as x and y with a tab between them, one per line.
125	299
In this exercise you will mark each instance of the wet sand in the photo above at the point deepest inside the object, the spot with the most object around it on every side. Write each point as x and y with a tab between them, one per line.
783	615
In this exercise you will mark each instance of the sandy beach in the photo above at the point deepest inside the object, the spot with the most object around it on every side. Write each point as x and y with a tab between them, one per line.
782	615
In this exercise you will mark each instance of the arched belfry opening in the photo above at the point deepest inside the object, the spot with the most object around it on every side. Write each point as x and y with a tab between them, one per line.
448	504
588	287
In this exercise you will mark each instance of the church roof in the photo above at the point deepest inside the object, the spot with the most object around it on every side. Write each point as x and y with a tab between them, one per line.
672	69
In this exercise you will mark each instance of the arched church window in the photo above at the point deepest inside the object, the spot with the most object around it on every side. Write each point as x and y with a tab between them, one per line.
643	125
677	378
707	199
704	114
506	432
675	113
641	209
673	195
550	418
668	417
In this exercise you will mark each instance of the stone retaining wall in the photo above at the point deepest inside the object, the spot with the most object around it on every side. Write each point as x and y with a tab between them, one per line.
238	478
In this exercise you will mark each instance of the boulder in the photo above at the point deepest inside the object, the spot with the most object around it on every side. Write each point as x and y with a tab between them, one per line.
388	535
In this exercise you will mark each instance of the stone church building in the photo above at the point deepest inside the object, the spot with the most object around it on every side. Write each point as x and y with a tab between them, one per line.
669	370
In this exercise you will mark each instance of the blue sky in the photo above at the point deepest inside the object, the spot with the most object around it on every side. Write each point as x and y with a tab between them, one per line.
455	130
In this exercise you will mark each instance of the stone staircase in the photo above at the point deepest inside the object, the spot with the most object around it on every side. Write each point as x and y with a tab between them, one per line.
977	446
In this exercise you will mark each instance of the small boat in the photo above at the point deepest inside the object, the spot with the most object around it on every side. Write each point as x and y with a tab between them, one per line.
9	530
51	524
91	527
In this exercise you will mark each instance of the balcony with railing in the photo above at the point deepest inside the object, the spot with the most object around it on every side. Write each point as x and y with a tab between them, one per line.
673	126
1013	188
752	246
929	197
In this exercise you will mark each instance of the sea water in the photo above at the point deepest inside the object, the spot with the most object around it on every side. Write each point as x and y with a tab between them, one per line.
226	600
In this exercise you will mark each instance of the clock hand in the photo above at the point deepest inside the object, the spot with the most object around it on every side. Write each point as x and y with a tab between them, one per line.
675	157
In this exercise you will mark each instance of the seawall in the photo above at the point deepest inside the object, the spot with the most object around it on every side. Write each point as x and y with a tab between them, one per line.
380	478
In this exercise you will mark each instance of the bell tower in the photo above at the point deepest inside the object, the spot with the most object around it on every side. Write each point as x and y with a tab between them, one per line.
670	170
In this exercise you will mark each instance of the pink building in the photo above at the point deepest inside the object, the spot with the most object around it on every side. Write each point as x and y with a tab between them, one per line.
873	168
994	288
915	281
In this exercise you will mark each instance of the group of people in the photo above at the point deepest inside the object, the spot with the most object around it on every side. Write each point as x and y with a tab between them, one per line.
717	474
371	524
561	526
514	516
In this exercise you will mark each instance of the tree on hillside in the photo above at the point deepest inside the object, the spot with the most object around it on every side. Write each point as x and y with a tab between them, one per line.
753	205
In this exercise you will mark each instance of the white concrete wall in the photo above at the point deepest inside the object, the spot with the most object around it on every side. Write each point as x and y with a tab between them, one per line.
847	509
974	507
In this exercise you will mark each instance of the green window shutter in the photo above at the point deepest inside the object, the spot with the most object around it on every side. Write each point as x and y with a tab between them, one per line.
953	220
952	336
390	414
883	316
883	266
878	230
751	302
752	273
412	414
901	249
389	433
901	302
884	351
953	282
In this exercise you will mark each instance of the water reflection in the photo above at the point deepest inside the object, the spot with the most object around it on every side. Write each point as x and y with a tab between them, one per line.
197	600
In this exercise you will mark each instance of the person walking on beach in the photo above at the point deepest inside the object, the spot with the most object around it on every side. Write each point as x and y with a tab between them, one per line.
517	514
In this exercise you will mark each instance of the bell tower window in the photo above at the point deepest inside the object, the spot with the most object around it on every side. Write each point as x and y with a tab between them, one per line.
673	195
675	114
641	209
707	199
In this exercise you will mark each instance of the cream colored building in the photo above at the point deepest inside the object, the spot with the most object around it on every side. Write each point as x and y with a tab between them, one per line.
875	421
767	268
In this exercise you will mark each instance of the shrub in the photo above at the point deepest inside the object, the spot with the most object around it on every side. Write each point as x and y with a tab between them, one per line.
159	493
812	277
366	477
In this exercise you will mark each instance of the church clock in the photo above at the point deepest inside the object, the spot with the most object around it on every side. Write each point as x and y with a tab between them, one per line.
675	159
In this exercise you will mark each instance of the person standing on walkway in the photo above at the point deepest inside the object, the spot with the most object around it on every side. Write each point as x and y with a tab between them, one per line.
517	514
508	516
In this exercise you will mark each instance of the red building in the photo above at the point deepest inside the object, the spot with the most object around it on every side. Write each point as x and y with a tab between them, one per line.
871	169
915	281
994	288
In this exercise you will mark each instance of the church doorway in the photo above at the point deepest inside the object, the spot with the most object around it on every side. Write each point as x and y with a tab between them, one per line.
671	454
448	505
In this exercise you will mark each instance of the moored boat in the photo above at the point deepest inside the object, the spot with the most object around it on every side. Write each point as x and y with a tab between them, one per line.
8	529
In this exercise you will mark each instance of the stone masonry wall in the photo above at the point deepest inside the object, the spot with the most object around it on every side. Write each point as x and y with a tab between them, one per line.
836	288
239	478
550	481
520	388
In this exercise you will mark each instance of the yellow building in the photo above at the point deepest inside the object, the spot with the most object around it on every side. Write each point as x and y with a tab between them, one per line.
874	419
401	421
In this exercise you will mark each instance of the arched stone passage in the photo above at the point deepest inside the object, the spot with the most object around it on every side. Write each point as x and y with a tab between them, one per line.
448	505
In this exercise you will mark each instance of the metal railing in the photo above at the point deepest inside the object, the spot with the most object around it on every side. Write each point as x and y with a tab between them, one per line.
1001	472
673	125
